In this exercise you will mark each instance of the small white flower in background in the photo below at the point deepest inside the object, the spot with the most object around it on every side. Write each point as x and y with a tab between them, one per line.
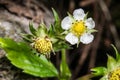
78	27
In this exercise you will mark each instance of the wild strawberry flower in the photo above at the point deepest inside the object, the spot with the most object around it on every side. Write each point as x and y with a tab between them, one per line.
40	40
78	28
43	45
112	71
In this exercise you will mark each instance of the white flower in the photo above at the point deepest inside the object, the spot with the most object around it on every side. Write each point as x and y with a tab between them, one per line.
78	27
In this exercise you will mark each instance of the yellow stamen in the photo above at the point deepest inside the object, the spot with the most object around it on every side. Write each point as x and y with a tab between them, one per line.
78	28
43	45
115	75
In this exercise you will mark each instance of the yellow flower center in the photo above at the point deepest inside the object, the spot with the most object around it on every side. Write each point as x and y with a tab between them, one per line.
43	45
78	28
115	75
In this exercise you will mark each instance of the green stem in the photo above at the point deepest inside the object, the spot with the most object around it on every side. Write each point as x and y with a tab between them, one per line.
63	55
65	73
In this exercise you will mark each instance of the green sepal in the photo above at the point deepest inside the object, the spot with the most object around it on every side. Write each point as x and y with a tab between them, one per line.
57	19
42	30
57	23
99	71
27	37
117	53
32	29
111	63
91	31
72	18
21	55
104	77
86	15
51	30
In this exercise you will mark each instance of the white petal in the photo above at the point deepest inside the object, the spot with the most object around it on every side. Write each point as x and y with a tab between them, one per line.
90	23
86	38
71	38
66	23
79	14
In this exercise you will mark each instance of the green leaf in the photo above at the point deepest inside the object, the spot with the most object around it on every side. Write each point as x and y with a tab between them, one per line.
32	29
98	71
21	55
64	69
111	63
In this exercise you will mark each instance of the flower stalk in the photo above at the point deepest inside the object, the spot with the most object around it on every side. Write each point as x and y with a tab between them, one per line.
65	73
